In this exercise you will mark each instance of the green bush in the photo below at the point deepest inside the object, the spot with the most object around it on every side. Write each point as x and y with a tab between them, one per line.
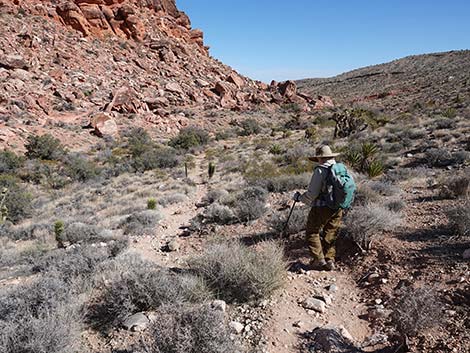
17	200
79	168
249	127
44	147
138	141
151	204
190	137
155	158
9	161
238	273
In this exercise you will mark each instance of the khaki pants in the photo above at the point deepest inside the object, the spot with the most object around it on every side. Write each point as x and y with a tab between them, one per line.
329	220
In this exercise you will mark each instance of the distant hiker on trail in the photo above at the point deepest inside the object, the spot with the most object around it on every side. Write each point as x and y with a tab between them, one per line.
331	190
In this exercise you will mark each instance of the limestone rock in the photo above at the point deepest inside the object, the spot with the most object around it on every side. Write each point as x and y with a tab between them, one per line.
219	305
236	327
136	322
314	304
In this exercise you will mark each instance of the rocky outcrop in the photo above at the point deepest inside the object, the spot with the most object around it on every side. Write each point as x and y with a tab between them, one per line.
136	61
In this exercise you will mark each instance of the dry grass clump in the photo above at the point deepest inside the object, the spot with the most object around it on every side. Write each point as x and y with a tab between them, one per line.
39	317
130	285
220	214
455	186
296	224
416	310
364	223
459	218
237	273
171	199
183	329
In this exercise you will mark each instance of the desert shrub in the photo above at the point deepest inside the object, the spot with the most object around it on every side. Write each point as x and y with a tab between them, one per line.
441	157
139	222
250	204
9	161
384	188
365	194
249	127
39	317
78	232
190	137
365	223
459	218
296	224
138	141
131	284
17	200
395	205
455	186
445	123
214	195
286	182
171	199
79	168
44	147
72	265
240	273
26	232
154	158
416	310
220	214
184	329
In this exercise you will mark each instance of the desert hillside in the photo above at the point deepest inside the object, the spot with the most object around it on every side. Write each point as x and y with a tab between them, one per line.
68	64
146	194
435	81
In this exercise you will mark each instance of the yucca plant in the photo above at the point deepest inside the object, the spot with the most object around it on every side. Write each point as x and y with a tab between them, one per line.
3	207
211	170
354	158
375	168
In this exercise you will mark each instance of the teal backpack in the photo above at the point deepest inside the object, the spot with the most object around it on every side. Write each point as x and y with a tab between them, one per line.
341	187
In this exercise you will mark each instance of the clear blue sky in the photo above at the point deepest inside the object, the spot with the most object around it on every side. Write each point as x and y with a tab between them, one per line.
291	39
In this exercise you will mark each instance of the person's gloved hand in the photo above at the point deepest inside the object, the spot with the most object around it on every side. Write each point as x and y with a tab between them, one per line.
296	196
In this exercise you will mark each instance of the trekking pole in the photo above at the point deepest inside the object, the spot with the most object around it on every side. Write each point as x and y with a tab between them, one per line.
288	218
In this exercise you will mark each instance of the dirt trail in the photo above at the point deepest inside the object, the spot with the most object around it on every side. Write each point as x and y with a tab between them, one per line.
290	321
174	218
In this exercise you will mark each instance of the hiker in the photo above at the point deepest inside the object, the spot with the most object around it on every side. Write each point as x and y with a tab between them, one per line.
326	212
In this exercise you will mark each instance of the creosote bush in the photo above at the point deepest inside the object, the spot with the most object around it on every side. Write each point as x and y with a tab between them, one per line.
364	223
17	200
416	310
186	329
44	147
249	127
237	273
190	137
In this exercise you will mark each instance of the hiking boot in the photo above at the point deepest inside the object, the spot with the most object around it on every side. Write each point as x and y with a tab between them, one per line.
317	265
329	265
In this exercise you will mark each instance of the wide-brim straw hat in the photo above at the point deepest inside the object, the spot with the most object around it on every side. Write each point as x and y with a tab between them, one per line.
323	152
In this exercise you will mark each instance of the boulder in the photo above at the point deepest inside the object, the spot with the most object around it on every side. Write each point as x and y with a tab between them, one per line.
104	125
236	80
288	89
12	62
331	339
236	327
314	304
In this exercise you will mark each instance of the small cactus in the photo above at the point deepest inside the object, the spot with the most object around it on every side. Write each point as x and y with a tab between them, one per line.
211	170
151	204
59	228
